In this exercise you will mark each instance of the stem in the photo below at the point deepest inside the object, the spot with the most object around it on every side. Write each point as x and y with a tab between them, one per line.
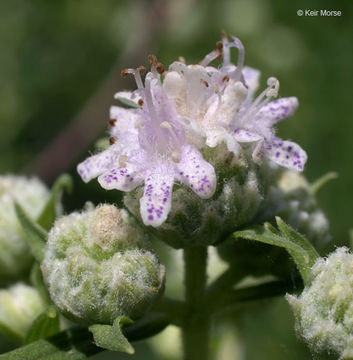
197	320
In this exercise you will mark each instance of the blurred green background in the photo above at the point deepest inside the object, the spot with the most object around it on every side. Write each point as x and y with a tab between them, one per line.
59	68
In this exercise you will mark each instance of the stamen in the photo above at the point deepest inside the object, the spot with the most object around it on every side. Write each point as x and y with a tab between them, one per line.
122	160
241	54
136	73
112	122
156	65
263	98
274	87
176	156
112	141
140	102
213	55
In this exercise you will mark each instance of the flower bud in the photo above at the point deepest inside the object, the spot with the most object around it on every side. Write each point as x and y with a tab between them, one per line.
98	266
288	196
291	199
32	195
19	306
196	221
324	310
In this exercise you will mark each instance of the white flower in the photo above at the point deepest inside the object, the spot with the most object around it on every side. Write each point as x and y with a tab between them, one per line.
222	103
151	147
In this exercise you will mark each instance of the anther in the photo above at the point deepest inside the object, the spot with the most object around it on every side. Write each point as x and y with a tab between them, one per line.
112	141
160	68
225	78
141	69
140	102
122	160
153	59
165	125
204	82
125	72
112	122
176	156
219	45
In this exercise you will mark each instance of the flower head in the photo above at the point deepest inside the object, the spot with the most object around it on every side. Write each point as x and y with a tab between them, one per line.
151	147
222	102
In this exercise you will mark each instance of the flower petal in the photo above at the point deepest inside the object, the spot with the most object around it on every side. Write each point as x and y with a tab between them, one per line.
277	110
196	172
125	121
286	153
156	201
242	135
121	178
127	98
97	164
216	137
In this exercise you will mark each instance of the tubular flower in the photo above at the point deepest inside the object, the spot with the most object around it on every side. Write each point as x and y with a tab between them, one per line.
222	103
151	147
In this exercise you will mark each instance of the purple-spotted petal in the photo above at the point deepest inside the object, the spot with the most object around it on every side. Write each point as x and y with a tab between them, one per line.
156	201
242	135
195	172
121	178
97	164
277	110
124	121
286	153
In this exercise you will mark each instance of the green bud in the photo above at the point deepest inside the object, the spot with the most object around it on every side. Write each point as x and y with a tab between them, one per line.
98	266
196	221
288	196
32	195
19	306
324	310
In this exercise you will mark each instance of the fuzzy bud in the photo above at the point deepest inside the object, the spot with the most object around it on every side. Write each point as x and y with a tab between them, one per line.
20	304
98	265
324	310
288	196
32	195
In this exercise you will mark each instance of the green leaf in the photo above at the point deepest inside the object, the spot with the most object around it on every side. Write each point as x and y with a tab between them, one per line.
46	324
300	249
77	343
320	182
52	209
36	235
111	337
262	234
298	239
72	344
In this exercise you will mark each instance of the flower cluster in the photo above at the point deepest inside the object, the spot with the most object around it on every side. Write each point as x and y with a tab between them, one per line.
178	113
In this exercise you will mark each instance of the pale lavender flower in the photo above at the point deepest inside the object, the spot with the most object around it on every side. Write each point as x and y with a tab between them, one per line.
151	147
224	107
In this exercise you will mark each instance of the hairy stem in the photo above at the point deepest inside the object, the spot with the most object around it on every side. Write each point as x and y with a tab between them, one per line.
196	322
